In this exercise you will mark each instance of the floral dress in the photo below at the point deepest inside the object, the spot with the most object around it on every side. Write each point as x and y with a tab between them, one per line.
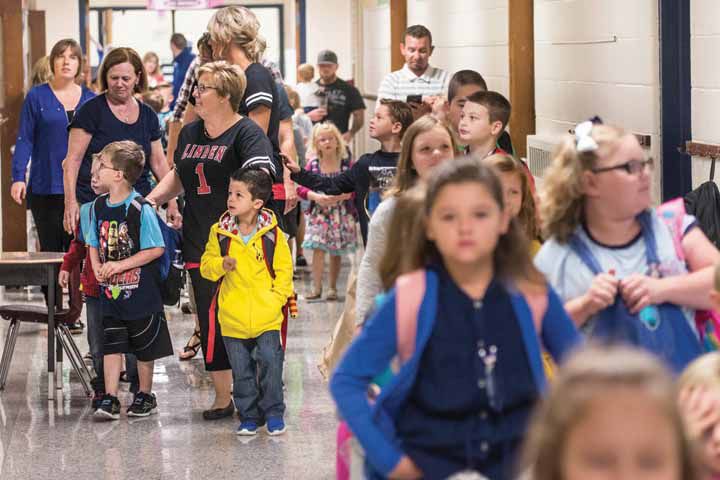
331	229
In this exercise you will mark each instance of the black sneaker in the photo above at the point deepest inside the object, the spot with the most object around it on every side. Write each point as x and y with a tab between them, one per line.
76	328
300	261
109	408
143	405
97	399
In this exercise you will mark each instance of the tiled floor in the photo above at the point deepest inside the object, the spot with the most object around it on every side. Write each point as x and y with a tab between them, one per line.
47	440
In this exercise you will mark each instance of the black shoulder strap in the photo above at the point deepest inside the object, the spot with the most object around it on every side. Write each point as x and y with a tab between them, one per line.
268	244
224	242
134	214
97	205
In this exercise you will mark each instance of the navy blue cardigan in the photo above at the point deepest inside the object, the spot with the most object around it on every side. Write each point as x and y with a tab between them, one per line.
376	346
43	136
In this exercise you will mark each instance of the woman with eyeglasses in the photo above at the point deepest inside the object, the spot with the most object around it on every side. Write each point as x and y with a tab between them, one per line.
610	254
208	151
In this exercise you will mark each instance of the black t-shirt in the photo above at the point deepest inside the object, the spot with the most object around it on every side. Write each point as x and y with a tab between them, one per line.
96	118
260	91
204	166
342	100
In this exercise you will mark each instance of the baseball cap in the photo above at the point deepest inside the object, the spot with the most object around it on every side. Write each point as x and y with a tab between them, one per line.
327	56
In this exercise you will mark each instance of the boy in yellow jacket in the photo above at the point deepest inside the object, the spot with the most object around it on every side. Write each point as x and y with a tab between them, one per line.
252	292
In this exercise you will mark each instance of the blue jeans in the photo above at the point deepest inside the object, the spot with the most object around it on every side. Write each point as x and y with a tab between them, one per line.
257	365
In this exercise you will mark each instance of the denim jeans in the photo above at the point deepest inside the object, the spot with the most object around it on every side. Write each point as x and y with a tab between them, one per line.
96	340
257	365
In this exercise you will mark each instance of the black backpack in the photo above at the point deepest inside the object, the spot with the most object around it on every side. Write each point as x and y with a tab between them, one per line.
704	204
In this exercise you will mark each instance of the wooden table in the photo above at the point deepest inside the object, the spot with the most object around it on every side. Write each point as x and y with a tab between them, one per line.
37	268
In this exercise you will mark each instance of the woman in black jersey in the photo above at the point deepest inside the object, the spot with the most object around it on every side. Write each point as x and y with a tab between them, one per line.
208	151
234	37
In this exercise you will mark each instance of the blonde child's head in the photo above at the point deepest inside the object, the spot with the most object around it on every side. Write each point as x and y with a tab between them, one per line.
305	72
699	398
121	161
519	199
154	100
593	168
326	140
426	143
406	223
41	71
610	413
487	237
293	97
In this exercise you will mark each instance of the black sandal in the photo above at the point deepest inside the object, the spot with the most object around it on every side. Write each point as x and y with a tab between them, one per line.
191	348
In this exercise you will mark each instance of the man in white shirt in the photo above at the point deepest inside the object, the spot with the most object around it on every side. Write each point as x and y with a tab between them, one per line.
417	82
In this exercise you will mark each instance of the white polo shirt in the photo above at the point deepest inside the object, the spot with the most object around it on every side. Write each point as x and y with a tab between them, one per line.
399	84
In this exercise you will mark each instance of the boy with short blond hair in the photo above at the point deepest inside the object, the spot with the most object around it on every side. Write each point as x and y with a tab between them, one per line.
125	243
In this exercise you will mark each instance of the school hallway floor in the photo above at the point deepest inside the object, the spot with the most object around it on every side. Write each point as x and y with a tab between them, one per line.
47	440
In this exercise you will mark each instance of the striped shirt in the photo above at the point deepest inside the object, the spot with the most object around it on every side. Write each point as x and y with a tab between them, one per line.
399	84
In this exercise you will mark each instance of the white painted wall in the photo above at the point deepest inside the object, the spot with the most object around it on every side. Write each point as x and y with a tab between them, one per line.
329	26
62	20
618	80
705	80
467	34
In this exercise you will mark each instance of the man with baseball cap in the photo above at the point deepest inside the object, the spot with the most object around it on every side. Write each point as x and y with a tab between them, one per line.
338	99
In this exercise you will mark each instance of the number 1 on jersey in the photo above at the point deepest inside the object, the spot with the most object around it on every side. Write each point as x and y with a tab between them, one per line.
204	188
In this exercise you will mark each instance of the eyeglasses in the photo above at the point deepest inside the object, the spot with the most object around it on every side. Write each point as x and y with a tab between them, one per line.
633	167
102	166
203	88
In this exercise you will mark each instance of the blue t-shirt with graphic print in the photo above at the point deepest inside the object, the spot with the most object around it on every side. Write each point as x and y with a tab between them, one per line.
135	293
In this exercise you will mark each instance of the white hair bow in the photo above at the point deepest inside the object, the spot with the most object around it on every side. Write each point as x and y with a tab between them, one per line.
583	138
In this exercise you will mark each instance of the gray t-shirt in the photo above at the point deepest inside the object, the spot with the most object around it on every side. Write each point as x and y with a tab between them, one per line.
571	278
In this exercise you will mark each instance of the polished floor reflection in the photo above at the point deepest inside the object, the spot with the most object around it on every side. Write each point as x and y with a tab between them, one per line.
59	440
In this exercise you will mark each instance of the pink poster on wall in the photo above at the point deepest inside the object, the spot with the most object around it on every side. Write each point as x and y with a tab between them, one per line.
182	4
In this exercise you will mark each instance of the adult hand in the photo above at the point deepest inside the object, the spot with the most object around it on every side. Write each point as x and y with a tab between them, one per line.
290	164
317	114
64	278
347	137
700	410
405	470
602	292
419	109
291	197
174	215
229	263
639	291
71	216
17	192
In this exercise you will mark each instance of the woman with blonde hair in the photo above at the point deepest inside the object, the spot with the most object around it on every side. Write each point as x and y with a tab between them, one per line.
208	151
610	256
610	413
235	38
330	221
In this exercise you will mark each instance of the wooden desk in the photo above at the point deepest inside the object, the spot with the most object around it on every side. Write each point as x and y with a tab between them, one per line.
37	268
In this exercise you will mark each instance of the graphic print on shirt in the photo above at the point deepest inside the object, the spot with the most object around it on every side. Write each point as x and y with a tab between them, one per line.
116	245
381	178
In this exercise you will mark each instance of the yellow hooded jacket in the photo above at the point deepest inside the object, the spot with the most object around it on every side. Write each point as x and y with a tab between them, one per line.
250	300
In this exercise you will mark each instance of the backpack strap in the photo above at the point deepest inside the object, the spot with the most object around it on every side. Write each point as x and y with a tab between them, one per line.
583	252
268	245
672	213
409	294
224	242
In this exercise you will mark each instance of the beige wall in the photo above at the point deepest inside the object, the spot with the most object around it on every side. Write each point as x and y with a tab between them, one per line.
705	80
329	26
62	20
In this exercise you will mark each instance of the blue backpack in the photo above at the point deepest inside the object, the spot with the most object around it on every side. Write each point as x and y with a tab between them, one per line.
170	264
662	329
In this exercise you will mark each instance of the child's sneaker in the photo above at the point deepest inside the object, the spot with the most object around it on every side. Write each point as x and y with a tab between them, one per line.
247	428
109	408
275	426
143	405
97	399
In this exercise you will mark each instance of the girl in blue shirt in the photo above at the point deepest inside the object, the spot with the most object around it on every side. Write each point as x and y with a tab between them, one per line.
47	110
463	393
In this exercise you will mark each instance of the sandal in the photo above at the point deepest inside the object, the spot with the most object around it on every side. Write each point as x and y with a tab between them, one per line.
316	295
189	351
332	295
